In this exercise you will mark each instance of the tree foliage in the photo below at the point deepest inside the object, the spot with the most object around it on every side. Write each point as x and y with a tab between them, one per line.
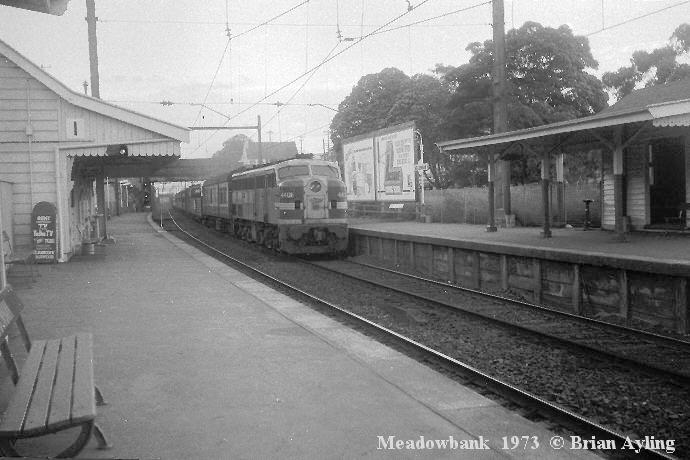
548	81
648	68
389	98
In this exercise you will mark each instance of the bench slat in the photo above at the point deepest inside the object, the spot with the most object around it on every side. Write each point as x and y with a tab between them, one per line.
84	400
14	416
61	404
6	317
37	415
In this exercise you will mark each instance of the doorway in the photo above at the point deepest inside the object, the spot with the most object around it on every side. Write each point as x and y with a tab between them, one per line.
667	193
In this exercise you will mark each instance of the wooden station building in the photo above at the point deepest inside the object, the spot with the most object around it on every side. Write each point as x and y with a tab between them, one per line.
644	140
57	146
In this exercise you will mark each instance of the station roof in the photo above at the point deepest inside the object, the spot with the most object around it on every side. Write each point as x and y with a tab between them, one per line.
54	7
151	143
174	132
663	105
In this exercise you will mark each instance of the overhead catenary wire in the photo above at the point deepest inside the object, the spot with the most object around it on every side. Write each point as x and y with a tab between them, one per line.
636	18
227	46
353	43
304	83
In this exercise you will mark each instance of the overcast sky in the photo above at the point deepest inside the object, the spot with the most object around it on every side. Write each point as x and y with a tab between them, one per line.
156	50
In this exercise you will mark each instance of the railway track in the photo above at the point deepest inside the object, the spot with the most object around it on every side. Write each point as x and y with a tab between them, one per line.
499	378
649	352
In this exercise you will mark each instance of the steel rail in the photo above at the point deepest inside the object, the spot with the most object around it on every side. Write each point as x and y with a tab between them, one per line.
570	420
573	316
647	367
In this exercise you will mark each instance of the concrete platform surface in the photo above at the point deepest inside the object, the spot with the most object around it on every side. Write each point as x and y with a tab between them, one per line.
646	246
199	361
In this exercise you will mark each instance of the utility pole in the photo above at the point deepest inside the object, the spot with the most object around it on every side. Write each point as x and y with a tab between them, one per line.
500	102
258	128
500	112
93	47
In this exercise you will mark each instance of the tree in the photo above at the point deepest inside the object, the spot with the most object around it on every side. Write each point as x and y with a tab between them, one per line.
654	67
366	108
389	98
231	153
548	81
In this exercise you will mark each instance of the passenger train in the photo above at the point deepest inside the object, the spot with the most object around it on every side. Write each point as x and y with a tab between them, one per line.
297	206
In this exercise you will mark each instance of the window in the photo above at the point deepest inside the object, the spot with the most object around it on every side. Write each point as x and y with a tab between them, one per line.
325	170
293	171
75	128
271	180
223	194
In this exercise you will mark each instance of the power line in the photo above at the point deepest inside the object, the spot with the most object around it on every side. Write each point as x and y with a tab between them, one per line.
170	102
213	80
227	45
320	65
304	83
636	18
417	23
322	25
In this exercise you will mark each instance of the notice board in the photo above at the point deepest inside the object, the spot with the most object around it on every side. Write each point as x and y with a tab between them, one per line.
44	232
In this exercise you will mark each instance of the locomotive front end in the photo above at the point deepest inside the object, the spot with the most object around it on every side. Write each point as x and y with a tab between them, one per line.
312	210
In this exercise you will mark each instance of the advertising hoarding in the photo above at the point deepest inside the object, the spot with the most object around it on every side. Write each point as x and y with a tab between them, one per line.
380	166
395	166
359	169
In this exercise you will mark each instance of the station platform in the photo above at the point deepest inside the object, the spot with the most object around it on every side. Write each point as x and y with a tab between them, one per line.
664	247
196	360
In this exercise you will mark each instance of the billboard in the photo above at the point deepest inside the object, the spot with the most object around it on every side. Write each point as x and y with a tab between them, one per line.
395	166
379	166
359	170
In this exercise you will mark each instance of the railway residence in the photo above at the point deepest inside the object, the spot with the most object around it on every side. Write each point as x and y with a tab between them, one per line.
58	146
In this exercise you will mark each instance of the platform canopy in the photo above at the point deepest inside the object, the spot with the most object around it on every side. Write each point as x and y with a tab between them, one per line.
664	105
656	111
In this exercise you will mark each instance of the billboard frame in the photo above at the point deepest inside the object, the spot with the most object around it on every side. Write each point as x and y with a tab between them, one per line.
405	166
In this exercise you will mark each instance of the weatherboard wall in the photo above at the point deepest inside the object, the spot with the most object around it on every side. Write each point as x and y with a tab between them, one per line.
27	161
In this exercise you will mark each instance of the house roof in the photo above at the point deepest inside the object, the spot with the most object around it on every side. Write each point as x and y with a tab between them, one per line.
667	105
164	128
642	98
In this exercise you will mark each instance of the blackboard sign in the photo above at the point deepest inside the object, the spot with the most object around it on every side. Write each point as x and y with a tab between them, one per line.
44	232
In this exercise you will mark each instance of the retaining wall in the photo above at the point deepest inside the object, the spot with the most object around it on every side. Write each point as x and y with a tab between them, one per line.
637	292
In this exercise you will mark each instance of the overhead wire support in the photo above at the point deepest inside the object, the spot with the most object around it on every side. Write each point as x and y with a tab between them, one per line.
325	61
227	45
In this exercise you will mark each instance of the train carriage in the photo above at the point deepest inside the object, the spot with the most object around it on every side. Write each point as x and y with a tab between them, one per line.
215	203
189	201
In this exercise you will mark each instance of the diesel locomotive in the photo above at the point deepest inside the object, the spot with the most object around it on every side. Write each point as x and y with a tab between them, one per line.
297	206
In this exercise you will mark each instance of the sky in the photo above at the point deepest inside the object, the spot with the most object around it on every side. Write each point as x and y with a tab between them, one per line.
285	61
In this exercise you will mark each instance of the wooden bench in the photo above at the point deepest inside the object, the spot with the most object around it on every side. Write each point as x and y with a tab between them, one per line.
55	389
